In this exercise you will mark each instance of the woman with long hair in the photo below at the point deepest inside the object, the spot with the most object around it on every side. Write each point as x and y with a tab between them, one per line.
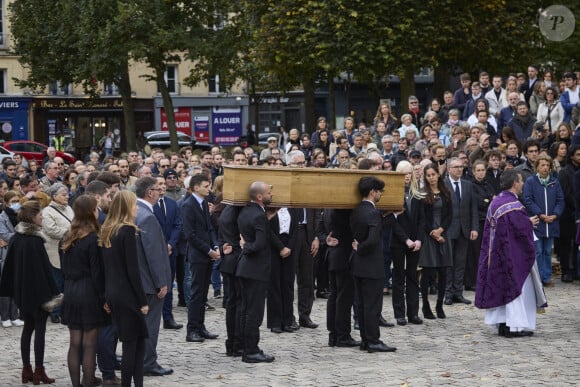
435	256
408	236
551	112
84	289
124	292
385	115
27	277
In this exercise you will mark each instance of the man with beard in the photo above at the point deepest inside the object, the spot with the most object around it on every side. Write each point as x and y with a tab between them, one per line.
522	123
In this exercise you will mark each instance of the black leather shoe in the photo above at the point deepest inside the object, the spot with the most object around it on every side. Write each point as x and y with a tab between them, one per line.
158	371
380	347
385	323
462	300
332	340
323	295
194	337
276	330
510	334
401	321
567	277
294	326
415	320
289	328
348	342
307	323
207	335
171	324
448	301
501	329
259	357
209	307
364	346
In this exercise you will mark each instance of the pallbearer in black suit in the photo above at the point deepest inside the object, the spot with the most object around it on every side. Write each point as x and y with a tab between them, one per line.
253	269
340	299
406	243
202	250
367	263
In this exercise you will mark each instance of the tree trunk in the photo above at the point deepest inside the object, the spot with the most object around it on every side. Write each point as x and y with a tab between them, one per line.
168	106
128	111
310	119
407	88
331	103
440	81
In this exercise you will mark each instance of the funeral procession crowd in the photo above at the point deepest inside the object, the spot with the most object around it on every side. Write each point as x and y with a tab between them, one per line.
492	193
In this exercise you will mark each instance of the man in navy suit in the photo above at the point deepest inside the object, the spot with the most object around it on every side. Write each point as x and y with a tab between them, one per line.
167	214
464	227
202	249
154	268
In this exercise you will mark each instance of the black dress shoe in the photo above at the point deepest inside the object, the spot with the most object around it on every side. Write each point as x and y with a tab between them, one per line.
385	323
289	328
401	321
209	307
171	324
158	371
194	337
567	277
415	320
294	326
510	334
259	357
207	335
332	340
462	300
323	295
501	329
364	346
307	323
276	330
348	342
380	347
448	301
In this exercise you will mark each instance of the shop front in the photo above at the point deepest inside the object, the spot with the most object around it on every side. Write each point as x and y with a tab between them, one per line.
83	122
14	118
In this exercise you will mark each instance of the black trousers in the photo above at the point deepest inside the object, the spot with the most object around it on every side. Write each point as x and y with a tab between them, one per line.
233	310
304	273
252	312
281	291
33	322
405	284
339	303
370	304
200	276
179	275
567	248
456	273
321	270
472	261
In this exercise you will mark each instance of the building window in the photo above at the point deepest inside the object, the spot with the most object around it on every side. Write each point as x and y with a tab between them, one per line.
2	81
58	88
214	85
171	79
111	89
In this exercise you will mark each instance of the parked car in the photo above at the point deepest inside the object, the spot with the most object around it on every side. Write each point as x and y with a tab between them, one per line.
160	139
5	153
32	150
262	139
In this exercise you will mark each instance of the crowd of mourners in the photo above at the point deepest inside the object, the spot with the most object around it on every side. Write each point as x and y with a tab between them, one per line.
453	153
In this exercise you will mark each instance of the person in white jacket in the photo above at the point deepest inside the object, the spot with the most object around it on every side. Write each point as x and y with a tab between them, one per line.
551	112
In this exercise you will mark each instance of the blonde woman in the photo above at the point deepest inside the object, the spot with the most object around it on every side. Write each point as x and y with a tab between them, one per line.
124	292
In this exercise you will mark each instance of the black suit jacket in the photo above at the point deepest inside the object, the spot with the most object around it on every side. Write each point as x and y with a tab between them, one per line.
198	230
170	222
228	232
313	221
410	224
256	254
367	229
527	90
338	223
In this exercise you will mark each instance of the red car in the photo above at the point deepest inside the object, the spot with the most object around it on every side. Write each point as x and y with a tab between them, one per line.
32	150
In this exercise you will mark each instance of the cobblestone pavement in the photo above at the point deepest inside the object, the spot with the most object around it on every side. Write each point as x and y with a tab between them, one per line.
458	351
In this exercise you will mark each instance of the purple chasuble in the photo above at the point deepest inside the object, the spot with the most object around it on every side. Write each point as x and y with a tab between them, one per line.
507	252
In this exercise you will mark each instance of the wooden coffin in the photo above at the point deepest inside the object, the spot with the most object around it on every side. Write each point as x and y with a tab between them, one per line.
311	187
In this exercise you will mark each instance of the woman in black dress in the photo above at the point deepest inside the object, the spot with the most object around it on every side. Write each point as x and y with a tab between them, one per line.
27	277
123	288
84	289
435	256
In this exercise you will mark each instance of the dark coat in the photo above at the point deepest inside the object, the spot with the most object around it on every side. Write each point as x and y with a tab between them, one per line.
446	216
484	194
544	200
27	274
464	213
229	233
123	287
197	228
170	222
256	254
410	224
367	229
338	223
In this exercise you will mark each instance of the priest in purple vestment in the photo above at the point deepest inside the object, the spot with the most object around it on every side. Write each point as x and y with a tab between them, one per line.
505	281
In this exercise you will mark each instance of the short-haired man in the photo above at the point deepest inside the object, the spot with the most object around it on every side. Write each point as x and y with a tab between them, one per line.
154	267
527	88
367	263
570	99
471	102
253	270
462	95
51	175
173	190
522	123
414	110
127	181
496	96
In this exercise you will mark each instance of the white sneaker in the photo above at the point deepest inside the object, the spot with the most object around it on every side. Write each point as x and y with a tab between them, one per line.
6	324
18	322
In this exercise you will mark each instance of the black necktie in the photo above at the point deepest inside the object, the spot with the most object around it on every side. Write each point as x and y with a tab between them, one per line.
457	193
162	206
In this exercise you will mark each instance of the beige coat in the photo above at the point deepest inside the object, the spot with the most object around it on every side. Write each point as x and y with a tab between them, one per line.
54	226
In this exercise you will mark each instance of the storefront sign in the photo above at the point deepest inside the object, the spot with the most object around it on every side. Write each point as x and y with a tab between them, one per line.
226	125
201	128
78	103
182	120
